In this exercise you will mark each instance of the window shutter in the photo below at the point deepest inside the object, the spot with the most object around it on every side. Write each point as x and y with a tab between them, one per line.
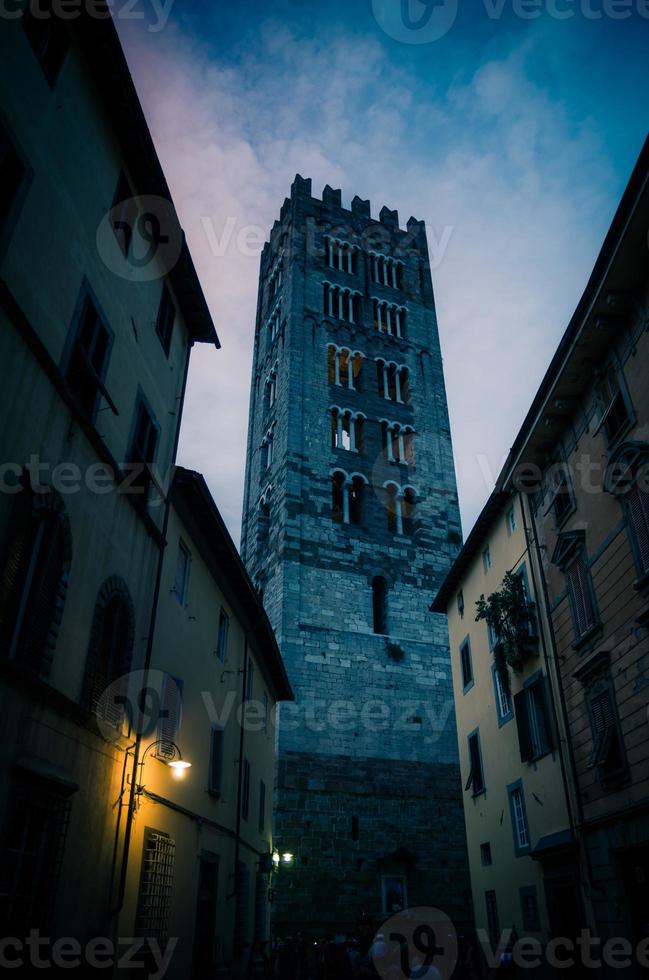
15	567
603	724
476	777
545	702
216	761
169	722
523	725
582	603
638	510
41	606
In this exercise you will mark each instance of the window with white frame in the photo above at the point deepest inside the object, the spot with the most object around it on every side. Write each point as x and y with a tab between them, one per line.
616	412
503	699
511	520
486	558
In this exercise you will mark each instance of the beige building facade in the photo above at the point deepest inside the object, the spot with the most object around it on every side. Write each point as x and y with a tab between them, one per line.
200	868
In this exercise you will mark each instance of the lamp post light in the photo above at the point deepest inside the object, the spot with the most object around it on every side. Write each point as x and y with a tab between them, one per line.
177	764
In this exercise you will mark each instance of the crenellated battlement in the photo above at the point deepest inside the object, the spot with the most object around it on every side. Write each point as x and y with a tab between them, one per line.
301	191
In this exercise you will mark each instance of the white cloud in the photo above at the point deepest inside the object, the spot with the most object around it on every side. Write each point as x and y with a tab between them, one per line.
525	190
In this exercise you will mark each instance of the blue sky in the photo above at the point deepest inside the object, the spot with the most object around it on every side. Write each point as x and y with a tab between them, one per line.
513	138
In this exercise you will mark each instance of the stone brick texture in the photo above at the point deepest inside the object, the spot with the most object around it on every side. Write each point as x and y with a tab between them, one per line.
372	732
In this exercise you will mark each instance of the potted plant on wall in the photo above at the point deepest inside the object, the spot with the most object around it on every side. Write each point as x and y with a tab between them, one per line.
510	616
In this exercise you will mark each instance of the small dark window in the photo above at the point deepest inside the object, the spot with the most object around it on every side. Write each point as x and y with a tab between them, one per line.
485	854
562	502
215	783
355	829
12	174
616	416
250	680
143	448
48	36
88	361
165	322
224	629
245	790
31	852
476	775
460	603
262	806
380	605
466	665
124	215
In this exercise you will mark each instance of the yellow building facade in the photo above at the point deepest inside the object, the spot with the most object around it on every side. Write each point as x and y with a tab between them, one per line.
519	837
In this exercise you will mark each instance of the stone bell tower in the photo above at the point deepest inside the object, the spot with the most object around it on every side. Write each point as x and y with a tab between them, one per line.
350	524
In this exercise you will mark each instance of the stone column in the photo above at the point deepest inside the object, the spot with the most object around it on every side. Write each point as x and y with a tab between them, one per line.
346	503
386	387
389	443
398	501
402	447
337	367
350	370
397	382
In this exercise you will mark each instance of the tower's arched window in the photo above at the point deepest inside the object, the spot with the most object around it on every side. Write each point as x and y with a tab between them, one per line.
356	495
380	605
339	500
343	367
408	510
267	449
346	430
109	652
341	302
393	509
34	579
347	493
263	517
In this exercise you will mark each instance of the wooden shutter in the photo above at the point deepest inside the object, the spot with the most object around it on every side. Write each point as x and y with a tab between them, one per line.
523	725
637	502
41	605
476	777
170	710
582	602
603	725
216	761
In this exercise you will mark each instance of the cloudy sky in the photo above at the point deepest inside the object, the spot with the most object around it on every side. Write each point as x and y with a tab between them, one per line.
511	136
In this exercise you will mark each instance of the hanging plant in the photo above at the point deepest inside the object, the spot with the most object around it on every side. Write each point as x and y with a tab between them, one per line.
507	612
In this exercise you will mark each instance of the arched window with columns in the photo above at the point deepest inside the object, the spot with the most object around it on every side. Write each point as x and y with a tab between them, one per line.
389	318
343	366
267	448
392	380
380	605
386	270
271	389
263	517
341	255
347	497
341	302
401	506
346	429
398	442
